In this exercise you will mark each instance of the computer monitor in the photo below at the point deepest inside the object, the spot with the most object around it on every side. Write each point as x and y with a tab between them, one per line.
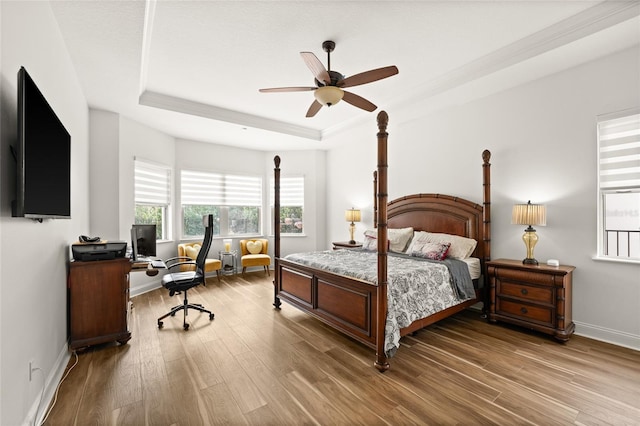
143	241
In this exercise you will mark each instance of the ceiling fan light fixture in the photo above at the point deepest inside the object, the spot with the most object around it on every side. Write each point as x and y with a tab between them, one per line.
328	95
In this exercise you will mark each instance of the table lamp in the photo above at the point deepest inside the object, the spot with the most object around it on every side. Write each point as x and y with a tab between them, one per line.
352	215
529	214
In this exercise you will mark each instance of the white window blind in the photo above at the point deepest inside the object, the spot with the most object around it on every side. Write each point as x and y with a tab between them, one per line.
152	184
619	152
216	189
291	191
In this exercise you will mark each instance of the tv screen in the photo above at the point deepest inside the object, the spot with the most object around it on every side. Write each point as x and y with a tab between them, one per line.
143	241
43	156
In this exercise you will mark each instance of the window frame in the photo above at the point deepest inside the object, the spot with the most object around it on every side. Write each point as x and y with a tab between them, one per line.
285	203
218	196
605	187
147	173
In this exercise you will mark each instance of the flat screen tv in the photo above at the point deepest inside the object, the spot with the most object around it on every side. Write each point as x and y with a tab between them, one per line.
43	156
143	241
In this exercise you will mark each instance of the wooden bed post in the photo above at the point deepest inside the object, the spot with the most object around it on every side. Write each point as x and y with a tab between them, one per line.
381	359
276	230
375	199
486	225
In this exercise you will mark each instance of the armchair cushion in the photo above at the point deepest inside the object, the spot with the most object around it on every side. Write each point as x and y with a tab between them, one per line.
191	250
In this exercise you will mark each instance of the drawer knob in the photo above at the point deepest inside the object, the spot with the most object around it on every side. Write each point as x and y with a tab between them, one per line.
523	310
524	291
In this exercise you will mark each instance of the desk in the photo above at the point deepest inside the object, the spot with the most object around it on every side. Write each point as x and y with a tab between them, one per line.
98	302
147	266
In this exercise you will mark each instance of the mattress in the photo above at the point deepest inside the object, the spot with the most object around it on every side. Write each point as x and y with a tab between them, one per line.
475	270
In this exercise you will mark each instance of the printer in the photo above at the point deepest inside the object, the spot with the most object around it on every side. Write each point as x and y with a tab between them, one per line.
100	250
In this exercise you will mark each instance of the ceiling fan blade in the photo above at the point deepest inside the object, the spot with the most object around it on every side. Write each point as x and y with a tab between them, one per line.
287	89
368	76
314	108
316	67
358	101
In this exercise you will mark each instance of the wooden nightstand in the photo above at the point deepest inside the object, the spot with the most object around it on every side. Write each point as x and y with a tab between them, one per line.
533	296
345	244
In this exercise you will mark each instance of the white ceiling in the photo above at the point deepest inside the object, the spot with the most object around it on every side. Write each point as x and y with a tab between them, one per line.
192	69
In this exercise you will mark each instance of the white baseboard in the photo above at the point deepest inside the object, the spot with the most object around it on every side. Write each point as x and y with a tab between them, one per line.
144	288
51	384
620	338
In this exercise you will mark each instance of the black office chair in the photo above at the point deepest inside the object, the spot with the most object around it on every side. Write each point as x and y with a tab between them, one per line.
178	282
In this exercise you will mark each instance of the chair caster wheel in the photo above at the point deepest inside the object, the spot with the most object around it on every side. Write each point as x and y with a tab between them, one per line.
160	324
186	327
211	316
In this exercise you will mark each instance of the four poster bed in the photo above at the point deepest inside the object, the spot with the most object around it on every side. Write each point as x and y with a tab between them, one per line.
361	293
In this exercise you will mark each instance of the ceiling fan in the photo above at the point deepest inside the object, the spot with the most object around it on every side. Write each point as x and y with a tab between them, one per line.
329	84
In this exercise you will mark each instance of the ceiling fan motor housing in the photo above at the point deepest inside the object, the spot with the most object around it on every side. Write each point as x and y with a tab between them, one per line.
335	78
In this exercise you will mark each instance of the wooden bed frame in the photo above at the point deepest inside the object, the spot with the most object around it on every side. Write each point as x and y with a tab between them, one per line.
358	308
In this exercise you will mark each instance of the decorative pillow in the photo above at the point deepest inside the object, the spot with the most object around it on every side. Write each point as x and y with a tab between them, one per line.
398	238
370	242
254	247
435	251
461	247
192	251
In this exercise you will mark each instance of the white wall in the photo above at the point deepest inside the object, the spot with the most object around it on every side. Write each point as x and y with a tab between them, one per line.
543	140
33	315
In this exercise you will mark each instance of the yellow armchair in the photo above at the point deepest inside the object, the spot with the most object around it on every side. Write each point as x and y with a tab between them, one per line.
253	252
191	250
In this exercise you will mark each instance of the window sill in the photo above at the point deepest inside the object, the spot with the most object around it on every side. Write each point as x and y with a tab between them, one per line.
617	260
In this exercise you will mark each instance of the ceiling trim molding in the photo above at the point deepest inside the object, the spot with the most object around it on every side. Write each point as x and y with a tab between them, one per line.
172	103
149	15
590	21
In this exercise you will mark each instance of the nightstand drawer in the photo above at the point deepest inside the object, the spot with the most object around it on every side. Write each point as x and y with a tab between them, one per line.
529	277
539	314
526	292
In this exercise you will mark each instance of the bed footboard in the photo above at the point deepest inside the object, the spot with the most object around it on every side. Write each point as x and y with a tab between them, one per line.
345	304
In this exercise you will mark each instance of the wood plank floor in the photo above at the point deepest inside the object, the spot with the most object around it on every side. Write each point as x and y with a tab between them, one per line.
255	365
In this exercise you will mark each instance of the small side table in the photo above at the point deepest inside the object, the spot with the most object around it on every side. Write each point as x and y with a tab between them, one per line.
229	262
346	245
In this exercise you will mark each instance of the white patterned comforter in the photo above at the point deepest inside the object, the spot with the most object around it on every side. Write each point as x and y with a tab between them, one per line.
416	288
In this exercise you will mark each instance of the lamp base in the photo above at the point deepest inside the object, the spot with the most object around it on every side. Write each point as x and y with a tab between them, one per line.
529	261
352	241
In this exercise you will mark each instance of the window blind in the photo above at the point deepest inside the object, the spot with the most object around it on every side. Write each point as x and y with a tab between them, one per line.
216	189
291	191
619	153
152	183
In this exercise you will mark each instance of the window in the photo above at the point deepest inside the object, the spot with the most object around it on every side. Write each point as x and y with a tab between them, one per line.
152	194
619	187
291	204
233	200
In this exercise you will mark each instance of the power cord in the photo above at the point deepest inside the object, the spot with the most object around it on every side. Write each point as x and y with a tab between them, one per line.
55	397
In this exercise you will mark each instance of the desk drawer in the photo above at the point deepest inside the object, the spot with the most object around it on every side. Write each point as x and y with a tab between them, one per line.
539	314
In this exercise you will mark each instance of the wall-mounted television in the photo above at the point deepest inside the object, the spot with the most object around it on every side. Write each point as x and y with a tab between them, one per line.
43	157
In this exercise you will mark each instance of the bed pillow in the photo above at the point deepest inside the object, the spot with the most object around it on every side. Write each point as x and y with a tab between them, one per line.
460	247
370	241
428	250
398	238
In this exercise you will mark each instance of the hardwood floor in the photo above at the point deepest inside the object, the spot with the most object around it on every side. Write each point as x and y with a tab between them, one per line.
253	365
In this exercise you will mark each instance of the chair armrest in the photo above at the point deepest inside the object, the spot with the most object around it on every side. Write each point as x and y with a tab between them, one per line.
179	260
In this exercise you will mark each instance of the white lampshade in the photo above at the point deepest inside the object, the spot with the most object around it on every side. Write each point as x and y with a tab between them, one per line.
352	215
529	214
328	95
